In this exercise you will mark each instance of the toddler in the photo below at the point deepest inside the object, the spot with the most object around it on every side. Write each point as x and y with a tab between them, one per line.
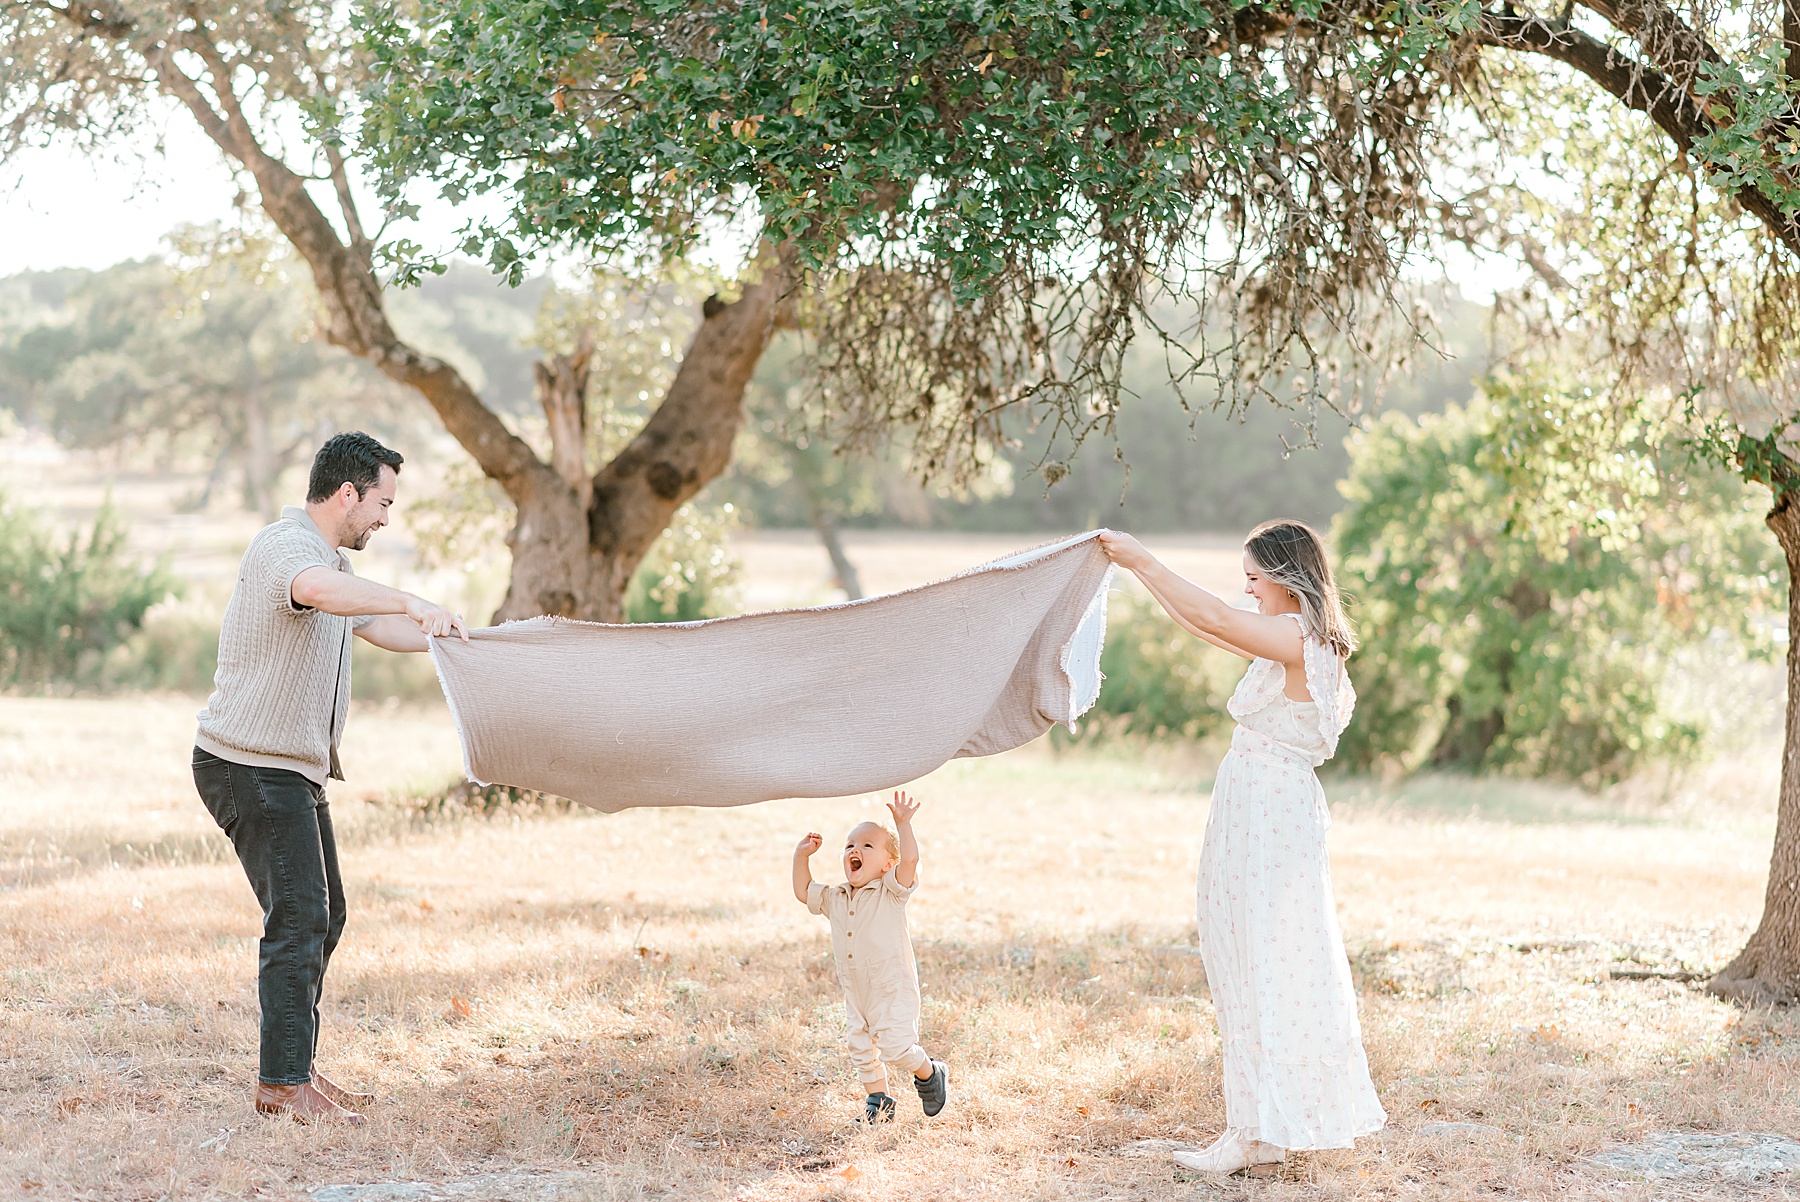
874	955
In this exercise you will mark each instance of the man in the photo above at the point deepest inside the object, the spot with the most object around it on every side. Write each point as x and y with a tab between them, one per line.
268	740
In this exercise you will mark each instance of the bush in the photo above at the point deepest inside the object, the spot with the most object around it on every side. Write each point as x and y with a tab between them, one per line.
176	650
377	675
1160	680
64	605
1529	569
465	798
690	572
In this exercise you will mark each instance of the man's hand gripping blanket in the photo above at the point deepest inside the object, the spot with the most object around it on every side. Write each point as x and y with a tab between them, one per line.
826	702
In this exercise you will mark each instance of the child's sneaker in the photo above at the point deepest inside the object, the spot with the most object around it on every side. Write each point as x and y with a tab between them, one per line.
934	1090
878	1109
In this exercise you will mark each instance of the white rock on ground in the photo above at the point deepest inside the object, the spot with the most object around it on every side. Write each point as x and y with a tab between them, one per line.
1734	1156
514	1187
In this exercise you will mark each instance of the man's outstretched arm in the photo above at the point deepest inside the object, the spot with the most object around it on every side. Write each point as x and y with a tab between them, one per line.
405	621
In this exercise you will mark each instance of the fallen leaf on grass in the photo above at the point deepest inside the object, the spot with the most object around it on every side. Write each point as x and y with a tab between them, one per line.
425	905
459	1009
849	1173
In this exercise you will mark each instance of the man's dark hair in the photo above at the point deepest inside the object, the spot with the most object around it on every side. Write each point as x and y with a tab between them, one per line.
351	457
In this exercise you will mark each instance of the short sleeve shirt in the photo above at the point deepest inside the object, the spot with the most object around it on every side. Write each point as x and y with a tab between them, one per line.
869	939
282	689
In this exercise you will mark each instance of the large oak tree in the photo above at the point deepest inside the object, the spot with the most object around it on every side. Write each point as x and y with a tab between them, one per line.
973	209
966	236
983	204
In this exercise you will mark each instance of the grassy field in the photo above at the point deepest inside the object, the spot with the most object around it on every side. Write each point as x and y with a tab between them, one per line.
636	999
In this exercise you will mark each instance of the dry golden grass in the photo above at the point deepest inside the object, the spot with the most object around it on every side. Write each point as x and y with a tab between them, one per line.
639	1000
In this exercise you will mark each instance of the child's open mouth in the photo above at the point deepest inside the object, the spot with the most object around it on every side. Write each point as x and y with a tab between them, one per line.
855	863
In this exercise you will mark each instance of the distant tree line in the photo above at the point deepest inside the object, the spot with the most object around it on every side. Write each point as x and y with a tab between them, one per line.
210	358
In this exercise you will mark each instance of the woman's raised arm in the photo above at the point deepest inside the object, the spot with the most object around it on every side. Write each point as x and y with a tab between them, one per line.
1203	611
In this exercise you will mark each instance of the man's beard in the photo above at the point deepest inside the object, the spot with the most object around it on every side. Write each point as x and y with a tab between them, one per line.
362	539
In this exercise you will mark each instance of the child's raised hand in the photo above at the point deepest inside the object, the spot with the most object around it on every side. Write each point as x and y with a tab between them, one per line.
810	844
902	808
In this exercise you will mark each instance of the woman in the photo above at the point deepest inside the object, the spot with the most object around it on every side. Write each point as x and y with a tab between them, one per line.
1295	1074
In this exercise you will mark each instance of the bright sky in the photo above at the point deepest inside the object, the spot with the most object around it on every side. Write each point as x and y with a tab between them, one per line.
59	208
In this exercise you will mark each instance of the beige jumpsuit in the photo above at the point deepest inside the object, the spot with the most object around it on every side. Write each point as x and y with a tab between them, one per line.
876	969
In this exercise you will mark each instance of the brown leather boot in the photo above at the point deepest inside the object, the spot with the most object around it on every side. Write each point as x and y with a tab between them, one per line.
303	1104
348	1099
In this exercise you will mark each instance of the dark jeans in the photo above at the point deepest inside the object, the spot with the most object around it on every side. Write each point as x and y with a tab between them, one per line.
281	827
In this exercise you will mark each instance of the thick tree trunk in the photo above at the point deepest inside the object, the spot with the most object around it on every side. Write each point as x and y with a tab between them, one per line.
1767	971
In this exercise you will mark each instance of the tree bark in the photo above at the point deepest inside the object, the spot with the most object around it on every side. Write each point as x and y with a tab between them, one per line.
1790	38
1767	971
562	382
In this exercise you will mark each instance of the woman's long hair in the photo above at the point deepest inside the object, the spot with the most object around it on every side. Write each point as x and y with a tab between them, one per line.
1292	554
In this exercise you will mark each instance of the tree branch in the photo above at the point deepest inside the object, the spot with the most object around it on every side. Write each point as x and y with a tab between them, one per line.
687	441
356	316
562	382
1667	41
360	246
1635	85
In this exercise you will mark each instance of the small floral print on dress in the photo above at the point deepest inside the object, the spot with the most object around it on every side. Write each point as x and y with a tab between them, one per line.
1295	1072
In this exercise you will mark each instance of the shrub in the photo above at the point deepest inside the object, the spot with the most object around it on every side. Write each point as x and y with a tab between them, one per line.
1160	680
690	572
1529	568
377	675
176	650
65	604
465	798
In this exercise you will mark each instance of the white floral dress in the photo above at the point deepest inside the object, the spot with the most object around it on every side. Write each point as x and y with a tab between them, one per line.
1295	1073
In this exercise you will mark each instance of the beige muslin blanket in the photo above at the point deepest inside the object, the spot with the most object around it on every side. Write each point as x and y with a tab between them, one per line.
820	702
